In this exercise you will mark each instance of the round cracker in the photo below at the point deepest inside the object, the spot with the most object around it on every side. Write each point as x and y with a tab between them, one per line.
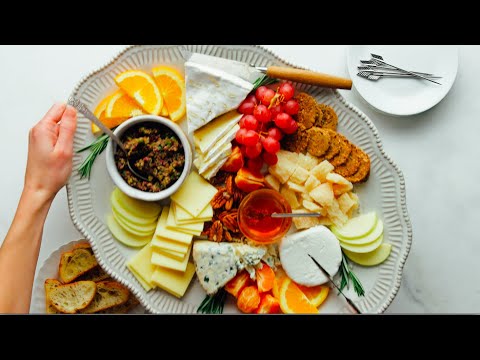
297	142
334	147
318	141
352	164
363	171
329	117
308	112
345	149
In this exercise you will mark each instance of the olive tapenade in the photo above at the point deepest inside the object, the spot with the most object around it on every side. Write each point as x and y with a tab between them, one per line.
157	153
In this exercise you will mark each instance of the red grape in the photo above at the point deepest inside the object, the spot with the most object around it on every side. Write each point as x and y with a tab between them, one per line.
275	133
276	110
271	145
291	128
246	107
270	159
283	120
286	89
267	97
252	99
251	138
253	151
255	164
291	107
243	150
260	92
240	136
262	113
249	122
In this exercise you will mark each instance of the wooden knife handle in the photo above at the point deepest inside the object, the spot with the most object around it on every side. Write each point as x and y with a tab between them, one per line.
309	77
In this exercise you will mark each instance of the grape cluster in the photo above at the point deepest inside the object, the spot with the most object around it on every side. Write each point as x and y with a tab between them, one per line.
267	116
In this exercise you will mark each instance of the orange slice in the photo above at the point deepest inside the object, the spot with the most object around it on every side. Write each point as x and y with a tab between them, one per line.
100	113
315	294
121	106
172	86
293	300
164	111
142	88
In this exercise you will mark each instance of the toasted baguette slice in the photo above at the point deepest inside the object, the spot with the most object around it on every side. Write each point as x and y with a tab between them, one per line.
109	294
96	274
75	263
50	284
122	309
83	245
71	298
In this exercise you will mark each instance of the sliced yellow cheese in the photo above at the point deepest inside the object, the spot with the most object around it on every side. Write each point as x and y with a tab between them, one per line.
141	267
166	244
182	215
195	194
205	164
174	282
207	136
215	168
190	232
173	254
165	233
172	224
166	261
221	144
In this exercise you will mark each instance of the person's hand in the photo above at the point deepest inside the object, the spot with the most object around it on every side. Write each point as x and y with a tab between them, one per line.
50	151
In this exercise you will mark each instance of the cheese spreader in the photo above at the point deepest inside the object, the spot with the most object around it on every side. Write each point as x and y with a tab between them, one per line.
252	72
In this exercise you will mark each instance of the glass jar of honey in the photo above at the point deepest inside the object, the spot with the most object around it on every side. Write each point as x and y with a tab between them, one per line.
255	220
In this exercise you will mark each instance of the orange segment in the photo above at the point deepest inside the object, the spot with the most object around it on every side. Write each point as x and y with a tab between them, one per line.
238	283
100	113
172	86
293	300
268	305
316	294
249	299
279	276
121	106
142	88
265	278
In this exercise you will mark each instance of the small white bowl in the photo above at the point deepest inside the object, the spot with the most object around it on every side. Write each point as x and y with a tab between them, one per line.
122	184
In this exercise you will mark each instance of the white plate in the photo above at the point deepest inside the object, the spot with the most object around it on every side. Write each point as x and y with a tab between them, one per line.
88	200
49	270
410	96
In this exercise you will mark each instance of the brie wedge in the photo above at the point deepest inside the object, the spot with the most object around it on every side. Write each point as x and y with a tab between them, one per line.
211	92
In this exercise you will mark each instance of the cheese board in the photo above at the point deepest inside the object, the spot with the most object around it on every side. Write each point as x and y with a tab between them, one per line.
90	198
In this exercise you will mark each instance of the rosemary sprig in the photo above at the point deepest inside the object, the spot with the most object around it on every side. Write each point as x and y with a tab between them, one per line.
213	304
347	274
96	148
264	80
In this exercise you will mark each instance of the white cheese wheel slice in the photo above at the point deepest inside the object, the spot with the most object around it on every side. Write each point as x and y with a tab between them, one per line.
320	243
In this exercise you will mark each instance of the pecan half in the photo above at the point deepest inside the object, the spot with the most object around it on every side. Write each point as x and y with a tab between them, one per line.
229	184
219	199
216	232
229	204
229	220
228	236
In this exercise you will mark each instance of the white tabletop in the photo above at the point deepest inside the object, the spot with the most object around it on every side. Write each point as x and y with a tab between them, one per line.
436	150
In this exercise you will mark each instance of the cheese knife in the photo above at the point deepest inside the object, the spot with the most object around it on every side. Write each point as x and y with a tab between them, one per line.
350	302
252	72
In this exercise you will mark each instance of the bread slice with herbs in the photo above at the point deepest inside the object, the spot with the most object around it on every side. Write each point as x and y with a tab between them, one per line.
50	284
96	274
108	294
75	263
83	245
71	298
123	308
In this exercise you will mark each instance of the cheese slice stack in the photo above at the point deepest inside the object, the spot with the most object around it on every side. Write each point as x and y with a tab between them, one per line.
213	143
211	92
164	262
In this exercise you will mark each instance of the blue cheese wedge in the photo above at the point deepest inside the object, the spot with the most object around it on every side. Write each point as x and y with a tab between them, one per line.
211	92
217	263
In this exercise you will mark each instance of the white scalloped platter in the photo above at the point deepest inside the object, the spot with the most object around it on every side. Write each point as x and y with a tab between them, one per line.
384	192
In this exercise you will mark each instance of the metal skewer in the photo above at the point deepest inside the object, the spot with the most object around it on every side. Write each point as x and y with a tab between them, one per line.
373	66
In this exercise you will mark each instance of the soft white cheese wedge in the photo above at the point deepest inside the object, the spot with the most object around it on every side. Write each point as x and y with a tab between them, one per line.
218	263
211	92
320	243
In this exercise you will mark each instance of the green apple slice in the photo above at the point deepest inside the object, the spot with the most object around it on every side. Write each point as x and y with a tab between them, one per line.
367	239
362	248
125	237
372	258
137	207
135	219
357	227
132	228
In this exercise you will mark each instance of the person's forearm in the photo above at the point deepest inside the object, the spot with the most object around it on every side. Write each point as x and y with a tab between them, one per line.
19	252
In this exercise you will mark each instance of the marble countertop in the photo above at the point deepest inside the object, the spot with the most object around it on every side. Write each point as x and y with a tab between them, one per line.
437	152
